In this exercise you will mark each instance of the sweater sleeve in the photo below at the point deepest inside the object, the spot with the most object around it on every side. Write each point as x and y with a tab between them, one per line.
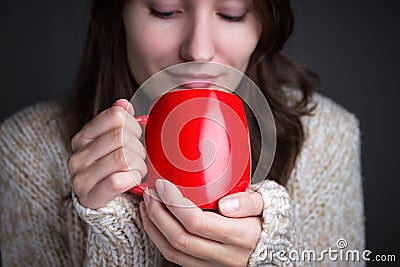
321	207
278	225
116	236
37	227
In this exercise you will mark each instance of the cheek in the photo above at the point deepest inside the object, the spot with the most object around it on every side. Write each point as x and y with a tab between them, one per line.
237	46
139	47
240	51
143	51
147	49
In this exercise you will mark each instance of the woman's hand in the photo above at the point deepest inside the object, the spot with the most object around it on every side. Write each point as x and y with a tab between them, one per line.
188	236
101	150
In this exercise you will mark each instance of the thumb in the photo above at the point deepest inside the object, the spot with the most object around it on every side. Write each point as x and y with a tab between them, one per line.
242	204
125	104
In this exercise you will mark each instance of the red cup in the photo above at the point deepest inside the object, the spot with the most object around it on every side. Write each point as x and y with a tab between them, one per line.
198	139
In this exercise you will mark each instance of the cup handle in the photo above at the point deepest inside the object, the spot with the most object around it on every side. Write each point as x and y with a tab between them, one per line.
139	189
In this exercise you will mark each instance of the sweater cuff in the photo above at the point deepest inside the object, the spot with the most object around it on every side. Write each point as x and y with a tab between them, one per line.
115	234
277	236
123	208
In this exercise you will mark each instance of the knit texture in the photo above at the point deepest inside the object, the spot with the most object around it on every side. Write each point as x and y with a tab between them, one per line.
42	224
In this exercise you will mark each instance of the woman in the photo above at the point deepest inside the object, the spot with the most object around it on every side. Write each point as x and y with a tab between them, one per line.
311	197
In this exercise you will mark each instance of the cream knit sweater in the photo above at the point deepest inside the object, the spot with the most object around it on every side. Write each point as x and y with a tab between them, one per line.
42	225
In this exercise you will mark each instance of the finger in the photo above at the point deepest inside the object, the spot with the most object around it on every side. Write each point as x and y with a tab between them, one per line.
242	204
114	117
117	161
176	234
209	225
109	188
102	146
167	250
126	105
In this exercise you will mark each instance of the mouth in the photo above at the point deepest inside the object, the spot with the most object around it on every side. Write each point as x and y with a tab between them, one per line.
196	85
194	80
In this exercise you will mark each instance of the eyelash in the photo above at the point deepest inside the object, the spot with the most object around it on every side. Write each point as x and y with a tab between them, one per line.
233	19
171	14
162	15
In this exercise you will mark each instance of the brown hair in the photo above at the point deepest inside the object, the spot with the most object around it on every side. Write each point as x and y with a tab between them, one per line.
104	77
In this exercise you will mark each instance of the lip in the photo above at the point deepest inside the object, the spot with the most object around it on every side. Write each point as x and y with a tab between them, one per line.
196	85
192	80
198	77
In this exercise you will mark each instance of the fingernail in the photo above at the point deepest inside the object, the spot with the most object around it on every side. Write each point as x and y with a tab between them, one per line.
160	187
142	209
119	101
229	205
146	198
126	105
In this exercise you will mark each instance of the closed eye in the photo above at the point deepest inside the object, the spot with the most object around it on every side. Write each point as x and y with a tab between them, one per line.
163	15
232	18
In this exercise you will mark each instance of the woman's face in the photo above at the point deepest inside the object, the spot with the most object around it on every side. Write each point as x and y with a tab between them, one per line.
162	33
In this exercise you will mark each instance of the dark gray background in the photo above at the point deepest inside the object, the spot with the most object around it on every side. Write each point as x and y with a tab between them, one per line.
352	44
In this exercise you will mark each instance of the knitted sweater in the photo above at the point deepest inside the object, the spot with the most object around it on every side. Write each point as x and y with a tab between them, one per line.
42	224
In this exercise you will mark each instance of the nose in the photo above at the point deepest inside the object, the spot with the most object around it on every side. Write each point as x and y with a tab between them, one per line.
198	44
